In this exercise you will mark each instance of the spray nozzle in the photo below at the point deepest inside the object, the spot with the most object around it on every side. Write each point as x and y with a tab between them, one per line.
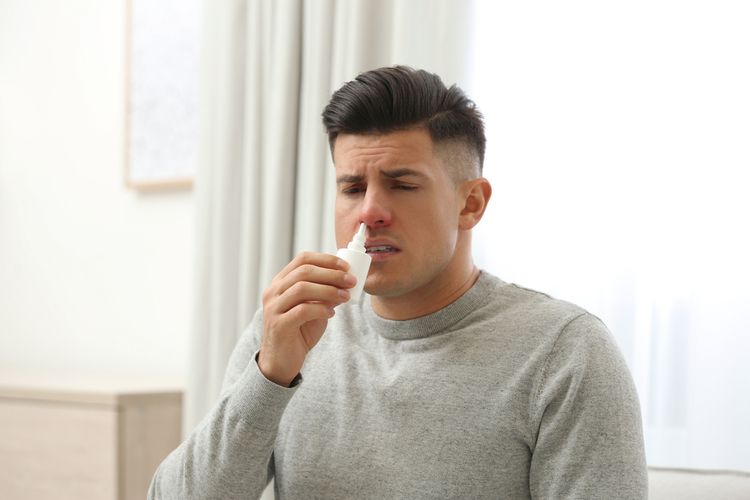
358	242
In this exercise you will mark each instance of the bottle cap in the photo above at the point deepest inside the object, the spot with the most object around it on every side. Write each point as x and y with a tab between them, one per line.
358	242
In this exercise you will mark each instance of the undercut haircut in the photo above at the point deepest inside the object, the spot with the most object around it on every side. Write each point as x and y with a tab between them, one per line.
396	98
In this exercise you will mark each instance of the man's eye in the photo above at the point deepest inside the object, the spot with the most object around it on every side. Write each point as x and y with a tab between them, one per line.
352	190
404	187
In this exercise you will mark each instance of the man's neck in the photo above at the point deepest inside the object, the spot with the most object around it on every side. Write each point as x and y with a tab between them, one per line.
427	299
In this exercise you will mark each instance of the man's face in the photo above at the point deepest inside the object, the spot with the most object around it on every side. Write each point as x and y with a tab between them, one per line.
396	185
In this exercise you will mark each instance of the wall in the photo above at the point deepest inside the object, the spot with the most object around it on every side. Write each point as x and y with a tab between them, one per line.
95	279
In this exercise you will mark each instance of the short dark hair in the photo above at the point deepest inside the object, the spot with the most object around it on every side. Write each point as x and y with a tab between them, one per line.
395	98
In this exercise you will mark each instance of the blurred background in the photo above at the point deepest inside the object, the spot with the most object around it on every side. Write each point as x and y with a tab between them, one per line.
161	161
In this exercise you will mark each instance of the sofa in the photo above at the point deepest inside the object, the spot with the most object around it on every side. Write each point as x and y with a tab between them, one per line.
691	484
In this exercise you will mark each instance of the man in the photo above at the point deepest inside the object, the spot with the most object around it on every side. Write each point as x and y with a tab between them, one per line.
444	381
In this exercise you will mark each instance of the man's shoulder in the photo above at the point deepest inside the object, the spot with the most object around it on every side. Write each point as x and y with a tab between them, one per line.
532	318
512	300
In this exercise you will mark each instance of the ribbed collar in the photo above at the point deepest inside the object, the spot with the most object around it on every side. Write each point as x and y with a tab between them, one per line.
437	322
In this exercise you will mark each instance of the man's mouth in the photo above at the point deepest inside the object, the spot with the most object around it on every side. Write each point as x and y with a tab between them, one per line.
381	249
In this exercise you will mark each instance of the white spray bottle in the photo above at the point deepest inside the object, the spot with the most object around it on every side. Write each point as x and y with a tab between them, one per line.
359	262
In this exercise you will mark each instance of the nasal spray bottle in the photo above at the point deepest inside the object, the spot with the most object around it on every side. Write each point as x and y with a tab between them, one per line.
359	262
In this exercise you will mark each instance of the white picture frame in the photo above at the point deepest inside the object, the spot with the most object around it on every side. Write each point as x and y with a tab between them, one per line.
162	74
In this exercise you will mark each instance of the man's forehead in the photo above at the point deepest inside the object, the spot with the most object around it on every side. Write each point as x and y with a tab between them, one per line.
404	147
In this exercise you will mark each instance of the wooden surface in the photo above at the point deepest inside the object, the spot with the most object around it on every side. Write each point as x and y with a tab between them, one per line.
82	443
148	432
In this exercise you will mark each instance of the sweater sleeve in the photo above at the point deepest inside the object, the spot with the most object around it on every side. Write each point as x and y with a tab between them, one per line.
229	454
586	420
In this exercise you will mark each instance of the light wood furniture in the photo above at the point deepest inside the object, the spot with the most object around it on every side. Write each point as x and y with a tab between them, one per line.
65	443
697	484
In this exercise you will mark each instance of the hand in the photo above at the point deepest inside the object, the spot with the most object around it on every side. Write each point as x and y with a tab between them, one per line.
296	308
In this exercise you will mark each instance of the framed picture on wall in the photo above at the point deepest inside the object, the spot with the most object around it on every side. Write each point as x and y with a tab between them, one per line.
162	74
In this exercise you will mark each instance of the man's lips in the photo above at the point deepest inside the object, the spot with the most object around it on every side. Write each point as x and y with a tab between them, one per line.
380	247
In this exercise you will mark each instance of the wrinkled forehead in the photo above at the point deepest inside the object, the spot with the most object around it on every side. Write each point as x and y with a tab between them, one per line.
413	147
401	148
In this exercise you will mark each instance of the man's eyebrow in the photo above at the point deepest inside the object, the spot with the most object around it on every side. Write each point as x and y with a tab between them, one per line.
391	174
401	172
346	179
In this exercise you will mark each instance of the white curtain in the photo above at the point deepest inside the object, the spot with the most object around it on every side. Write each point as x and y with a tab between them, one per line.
264	186
618	149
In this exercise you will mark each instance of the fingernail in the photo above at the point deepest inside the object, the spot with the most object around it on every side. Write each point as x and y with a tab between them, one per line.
344	294
343	264
350	279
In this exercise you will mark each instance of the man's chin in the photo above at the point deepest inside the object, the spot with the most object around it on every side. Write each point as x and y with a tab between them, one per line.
384	288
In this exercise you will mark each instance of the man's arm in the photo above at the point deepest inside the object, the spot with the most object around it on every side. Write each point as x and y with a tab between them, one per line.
589	439
229	454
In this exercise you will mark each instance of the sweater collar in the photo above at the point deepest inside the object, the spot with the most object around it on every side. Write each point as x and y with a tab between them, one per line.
437	322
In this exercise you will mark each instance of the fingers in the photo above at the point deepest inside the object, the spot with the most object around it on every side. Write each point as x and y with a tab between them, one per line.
309	273
296	308
297	282
306	312
303	291
310	278
322	260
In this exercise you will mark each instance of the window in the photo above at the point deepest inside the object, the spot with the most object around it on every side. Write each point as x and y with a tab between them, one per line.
618	147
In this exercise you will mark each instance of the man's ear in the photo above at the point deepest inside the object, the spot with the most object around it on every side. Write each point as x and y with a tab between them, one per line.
476	194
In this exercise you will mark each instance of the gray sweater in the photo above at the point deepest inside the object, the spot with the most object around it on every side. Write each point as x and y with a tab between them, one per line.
505	393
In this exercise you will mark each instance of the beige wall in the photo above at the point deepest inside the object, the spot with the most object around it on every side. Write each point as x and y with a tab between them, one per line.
94	278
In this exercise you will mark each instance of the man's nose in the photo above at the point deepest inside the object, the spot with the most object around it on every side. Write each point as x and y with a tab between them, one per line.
374	210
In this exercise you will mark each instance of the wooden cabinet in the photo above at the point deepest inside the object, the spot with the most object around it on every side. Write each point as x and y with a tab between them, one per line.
84	443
